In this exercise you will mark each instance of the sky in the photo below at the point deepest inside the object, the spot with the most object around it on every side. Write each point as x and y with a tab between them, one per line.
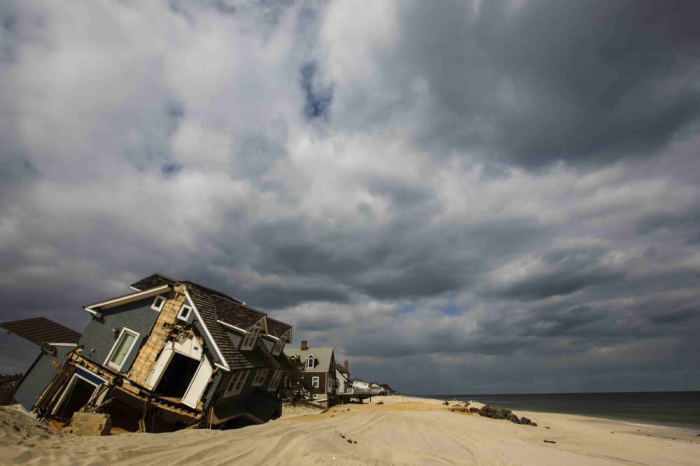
460	197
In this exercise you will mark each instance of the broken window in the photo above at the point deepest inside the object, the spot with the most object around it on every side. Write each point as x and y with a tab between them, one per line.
76	395
158	303
121	349
236	384
260	375
184	313
177	376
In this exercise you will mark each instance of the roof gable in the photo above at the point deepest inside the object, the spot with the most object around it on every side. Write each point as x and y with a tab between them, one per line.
279	329
218	311
324	355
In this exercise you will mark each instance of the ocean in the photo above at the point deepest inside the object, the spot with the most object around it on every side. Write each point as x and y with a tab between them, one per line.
679	410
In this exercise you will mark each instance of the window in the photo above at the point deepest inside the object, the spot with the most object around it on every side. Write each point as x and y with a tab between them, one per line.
184	313
121	349
250	337
260	375
158	303
311	362
315	382
236	384
274	383
279	345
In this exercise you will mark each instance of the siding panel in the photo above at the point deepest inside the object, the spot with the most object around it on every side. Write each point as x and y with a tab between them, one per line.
39	375
99	336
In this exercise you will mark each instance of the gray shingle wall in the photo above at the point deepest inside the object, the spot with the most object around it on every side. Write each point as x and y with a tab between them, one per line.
38	377
99	336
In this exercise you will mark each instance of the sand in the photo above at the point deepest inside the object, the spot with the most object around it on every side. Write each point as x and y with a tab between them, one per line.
402	430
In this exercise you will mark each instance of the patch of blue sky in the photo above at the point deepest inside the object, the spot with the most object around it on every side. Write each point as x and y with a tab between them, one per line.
318	99
451	310
171	169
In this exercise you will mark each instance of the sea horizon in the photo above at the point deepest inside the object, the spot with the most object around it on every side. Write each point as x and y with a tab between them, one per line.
677	409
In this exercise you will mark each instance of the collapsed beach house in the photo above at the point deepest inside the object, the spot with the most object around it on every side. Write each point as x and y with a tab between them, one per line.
170	354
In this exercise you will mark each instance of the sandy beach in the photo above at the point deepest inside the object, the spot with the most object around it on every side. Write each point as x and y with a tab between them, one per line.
401	430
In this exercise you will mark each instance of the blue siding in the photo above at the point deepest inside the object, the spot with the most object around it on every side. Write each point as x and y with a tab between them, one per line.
100	334
212	392
39	375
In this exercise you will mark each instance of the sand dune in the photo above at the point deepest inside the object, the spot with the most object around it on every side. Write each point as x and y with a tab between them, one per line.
403	430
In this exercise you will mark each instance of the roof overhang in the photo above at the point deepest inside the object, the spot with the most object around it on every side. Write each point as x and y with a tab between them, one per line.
232	327
129	298
223	366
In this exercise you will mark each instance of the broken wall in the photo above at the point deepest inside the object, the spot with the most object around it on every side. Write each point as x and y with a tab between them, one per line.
39	376
148	353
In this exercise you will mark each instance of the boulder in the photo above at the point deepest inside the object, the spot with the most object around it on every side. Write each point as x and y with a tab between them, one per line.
90	424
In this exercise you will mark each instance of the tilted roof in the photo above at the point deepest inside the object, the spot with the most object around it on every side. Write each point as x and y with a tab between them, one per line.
214	306
324	354
235	313
41	331
277	328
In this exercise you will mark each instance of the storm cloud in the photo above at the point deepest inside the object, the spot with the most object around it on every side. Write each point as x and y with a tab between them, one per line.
502	195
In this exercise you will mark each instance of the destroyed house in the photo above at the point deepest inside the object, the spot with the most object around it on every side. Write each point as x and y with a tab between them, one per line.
168	355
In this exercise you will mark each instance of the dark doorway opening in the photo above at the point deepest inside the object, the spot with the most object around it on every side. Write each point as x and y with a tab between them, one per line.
77	398
177	376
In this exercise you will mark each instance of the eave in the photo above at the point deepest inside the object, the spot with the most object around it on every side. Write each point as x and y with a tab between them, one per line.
129	298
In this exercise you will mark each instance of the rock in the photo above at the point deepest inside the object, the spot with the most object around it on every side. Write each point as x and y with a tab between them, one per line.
446	403
474	406
90	424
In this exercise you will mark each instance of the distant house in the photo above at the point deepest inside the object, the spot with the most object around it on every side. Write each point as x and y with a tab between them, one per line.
169	354
319	370
342	376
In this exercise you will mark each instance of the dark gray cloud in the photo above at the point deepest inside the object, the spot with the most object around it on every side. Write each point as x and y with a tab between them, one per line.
533	83
503	194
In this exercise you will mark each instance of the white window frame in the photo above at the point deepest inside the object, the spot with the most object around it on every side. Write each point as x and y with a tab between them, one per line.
315	381
185	312
279	346
236	383
275	382
260	376
156	305
311	362
249	339
108	363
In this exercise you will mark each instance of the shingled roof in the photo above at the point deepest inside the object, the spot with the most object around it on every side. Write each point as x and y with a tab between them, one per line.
277	328
153	281
235	313
41	331
214	306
